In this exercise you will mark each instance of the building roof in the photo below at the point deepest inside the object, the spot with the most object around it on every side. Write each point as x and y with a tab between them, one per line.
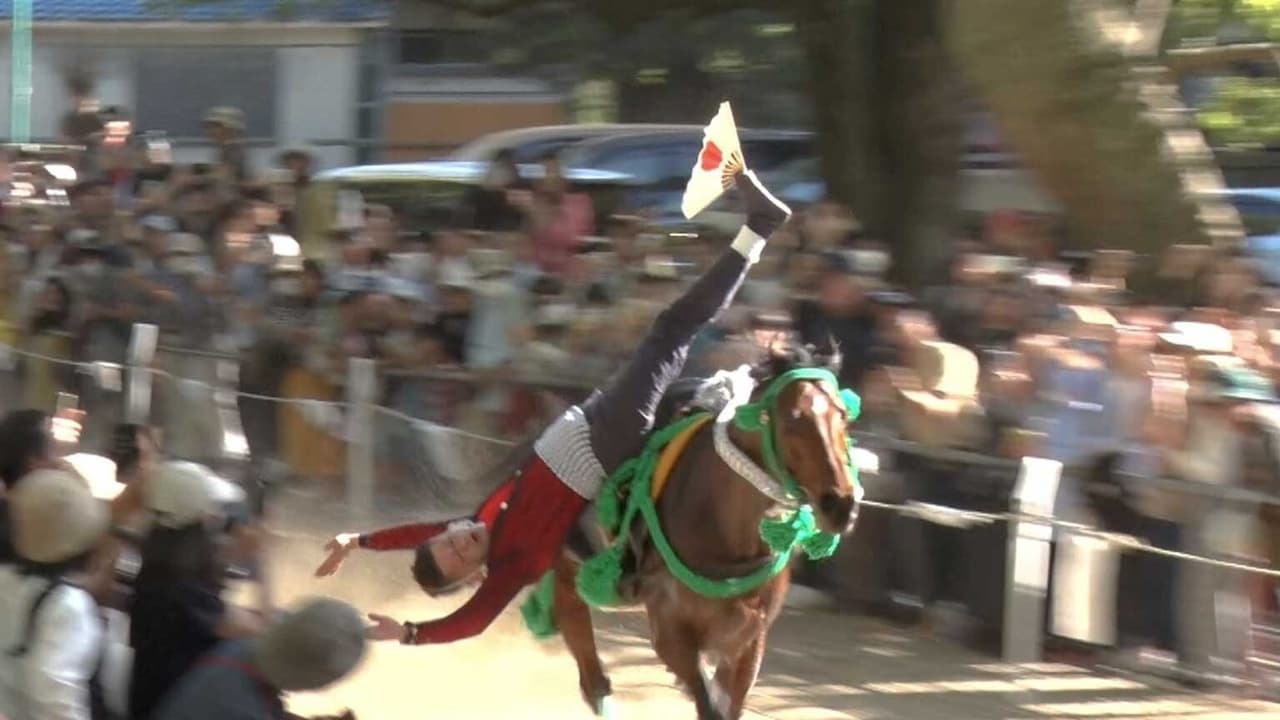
206	11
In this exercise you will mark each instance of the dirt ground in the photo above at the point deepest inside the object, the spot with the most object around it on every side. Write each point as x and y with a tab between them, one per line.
821	664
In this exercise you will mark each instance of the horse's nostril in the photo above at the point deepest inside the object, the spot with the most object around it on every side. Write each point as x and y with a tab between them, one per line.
833	505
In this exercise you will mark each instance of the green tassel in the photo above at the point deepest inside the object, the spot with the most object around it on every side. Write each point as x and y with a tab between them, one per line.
609	508
799	528
779	535
782	535
852	403
820	545
539	610
598	578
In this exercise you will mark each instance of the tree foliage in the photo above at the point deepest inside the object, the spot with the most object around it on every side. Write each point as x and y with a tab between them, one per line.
1243	108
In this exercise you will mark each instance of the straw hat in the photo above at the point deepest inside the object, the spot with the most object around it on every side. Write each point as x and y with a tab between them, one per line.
944	412
55	517
311	647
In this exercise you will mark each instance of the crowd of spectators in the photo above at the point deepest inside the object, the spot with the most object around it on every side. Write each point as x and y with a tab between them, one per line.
1118	366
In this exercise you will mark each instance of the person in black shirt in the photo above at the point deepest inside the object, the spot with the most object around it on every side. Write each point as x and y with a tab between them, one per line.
453	321
488	205
841	313
178	614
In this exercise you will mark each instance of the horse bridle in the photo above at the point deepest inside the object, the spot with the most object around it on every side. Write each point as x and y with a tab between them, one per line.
775	481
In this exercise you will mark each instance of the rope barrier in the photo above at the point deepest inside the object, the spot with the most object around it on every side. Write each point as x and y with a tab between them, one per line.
956	517
936	514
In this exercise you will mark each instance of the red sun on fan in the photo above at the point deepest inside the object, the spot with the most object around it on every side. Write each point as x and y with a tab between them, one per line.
711	156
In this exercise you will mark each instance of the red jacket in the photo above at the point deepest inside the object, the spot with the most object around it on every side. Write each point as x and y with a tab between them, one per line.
528	518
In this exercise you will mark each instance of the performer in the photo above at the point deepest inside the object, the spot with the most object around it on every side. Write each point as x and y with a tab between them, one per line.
519	530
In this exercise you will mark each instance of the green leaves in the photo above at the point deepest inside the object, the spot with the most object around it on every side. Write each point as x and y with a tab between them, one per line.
1244	111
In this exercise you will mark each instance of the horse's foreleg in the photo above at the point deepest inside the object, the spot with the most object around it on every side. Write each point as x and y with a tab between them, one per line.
738	677
677	647
573	618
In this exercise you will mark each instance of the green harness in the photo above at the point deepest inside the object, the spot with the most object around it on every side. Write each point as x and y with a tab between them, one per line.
599	576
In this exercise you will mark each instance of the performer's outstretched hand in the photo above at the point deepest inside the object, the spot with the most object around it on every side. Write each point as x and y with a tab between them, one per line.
338	548
765	213
384	629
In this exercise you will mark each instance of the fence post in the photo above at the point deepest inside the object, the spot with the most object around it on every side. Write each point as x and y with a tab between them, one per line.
1027	560
362	391
234	444
142	353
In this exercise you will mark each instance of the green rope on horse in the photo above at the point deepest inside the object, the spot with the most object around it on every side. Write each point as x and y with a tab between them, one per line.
598	577
798	527
539	610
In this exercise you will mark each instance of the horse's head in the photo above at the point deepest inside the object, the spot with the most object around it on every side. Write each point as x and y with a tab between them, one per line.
808	416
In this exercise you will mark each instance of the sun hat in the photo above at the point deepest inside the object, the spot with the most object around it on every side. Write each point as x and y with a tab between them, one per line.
55	516
183	493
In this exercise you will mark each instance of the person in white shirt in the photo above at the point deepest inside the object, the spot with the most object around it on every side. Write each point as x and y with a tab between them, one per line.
51	633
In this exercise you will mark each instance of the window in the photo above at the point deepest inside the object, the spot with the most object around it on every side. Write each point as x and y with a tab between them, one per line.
436	47
654	163
177	86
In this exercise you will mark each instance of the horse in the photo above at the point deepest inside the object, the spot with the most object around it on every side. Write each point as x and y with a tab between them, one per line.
712	519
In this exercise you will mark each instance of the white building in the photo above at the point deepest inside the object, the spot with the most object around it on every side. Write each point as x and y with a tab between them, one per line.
311	78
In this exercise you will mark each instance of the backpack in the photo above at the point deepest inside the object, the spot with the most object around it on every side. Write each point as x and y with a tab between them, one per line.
97	697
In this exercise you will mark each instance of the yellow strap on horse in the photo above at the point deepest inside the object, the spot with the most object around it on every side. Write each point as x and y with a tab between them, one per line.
671	455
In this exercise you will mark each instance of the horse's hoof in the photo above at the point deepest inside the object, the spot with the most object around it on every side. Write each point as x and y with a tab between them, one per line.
605	708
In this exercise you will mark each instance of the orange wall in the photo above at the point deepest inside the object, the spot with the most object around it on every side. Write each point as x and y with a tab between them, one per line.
450	124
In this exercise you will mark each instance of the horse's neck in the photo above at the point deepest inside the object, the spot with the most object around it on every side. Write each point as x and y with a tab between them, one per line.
731	508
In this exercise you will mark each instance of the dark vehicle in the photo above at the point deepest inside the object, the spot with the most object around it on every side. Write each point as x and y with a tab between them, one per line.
1259	210
529	145
659	161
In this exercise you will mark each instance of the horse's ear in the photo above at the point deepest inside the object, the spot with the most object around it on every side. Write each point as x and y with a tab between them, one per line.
828	351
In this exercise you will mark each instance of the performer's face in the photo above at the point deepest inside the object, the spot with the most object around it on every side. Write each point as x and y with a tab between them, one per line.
460	554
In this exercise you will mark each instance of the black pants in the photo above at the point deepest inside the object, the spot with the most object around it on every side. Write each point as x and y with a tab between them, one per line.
622	414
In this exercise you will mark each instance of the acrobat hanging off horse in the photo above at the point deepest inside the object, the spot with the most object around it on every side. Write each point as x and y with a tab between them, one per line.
516	535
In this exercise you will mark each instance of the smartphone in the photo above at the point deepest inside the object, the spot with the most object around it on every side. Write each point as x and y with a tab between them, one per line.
66	402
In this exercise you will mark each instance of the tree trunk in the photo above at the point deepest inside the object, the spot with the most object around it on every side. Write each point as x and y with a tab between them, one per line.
1070	109
838	37
886	110
921	136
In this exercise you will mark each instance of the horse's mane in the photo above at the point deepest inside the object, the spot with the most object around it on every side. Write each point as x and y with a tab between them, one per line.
793	357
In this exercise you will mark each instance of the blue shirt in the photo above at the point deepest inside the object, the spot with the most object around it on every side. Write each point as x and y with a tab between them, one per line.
223	686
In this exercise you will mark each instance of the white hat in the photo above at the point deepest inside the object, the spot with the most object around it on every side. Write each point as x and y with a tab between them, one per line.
456	274
183	493
316	645
1200	337
185	244
554	315
99	471
55	517
159	223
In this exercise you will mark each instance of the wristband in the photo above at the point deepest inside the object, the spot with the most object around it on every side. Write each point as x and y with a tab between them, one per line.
410	633
362	541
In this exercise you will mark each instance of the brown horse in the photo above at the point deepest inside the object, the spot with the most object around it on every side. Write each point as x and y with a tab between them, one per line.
712	516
